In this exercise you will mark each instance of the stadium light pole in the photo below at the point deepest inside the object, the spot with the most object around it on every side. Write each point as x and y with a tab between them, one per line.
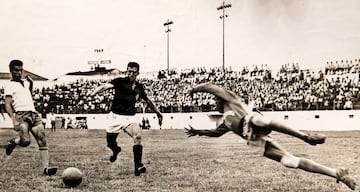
223	16
168	30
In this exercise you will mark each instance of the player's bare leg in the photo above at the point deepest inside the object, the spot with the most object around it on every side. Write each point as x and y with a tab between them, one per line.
275	152
23	139
312	139
278	126
39	133
134	131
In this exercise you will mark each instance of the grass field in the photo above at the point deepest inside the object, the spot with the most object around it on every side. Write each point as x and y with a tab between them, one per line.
175	163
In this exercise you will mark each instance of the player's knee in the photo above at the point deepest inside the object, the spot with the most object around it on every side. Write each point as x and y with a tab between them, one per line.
43	143
22	127
24	142
41	139
137	138
290	161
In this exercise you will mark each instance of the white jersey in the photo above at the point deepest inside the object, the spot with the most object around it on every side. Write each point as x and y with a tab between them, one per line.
21	96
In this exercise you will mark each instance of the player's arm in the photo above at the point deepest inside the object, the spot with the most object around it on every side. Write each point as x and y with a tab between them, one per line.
100	88
231	100
9	109
219	131
152	106
31	83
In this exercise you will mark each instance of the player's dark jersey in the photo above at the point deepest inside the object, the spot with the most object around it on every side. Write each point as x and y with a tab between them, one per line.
126	96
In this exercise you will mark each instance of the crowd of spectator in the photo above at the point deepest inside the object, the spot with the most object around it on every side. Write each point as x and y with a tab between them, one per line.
291	88
342	67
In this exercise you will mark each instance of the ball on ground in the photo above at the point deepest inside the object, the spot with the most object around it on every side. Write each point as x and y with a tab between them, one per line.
72	177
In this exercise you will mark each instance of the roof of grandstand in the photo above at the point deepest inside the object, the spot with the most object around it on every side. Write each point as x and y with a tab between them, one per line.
32	75
97	71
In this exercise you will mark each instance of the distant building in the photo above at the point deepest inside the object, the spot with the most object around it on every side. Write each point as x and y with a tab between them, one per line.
98	73
40	81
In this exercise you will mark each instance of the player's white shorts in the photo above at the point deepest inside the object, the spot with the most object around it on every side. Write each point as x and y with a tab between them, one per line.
118	123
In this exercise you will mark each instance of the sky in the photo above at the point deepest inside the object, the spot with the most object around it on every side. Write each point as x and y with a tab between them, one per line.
55	37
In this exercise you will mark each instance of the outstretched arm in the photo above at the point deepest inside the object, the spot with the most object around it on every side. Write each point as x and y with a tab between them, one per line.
101	88
157	111
231	100
227	96
219	131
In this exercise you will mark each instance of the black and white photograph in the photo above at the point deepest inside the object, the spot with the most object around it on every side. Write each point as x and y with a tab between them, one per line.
180	96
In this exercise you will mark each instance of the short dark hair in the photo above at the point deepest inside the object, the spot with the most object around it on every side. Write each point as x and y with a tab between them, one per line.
15	62
134	64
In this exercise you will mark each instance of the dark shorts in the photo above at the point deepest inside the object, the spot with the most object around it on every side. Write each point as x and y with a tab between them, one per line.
33	118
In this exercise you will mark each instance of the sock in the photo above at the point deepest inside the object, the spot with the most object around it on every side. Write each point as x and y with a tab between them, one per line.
137	150
44	156
111	140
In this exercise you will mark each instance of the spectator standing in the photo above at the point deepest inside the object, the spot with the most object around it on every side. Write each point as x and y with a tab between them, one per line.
52	121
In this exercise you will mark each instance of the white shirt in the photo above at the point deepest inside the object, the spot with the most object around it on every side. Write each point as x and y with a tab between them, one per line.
52	117
21	96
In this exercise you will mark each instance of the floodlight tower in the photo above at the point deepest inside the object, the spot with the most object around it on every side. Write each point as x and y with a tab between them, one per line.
223	16
168	30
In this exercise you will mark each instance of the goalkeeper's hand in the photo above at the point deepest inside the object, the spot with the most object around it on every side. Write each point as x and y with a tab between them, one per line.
191	131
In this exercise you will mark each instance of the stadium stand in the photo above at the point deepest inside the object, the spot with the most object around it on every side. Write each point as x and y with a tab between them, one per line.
335	87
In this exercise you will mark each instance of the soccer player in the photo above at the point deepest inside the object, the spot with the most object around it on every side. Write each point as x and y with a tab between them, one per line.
255	128
20	107
122	117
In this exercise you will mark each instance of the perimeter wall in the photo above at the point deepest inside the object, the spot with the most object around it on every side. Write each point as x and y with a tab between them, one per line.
334	120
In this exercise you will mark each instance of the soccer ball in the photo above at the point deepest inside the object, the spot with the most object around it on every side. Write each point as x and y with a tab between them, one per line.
72	177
